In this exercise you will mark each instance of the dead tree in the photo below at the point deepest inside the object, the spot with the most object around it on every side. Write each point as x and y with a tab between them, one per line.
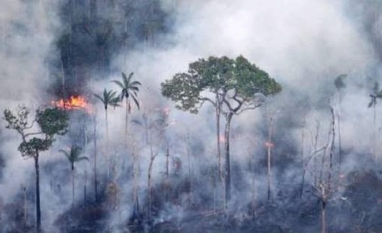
323	182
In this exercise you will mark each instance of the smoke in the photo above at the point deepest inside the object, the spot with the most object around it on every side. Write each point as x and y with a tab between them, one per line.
27	31
304	45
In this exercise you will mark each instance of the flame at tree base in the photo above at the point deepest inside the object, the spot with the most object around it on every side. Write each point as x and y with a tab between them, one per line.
73	103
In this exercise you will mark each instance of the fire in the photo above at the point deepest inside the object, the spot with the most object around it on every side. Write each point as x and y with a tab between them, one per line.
74	102
222	138
269	144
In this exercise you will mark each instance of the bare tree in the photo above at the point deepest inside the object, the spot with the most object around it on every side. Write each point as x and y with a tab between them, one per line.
323	182
156	138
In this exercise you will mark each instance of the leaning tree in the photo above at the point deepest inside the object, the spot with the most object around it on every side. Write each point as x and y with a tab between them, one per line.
51	122
230	85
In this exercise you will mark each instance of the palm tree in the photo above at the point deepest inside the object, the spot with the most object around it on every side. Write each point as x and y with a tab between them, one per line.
73	156
376	93
109	98
129	88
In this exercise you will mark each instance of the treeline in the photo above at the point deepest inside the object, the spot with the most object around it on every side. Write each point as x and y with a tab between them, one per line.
95	32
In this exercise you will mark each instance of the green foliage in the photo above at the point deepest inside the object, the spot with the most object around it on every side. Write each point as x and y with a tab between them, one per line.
31	147
51	121
214	74
128	87
19	122
108	98
74	155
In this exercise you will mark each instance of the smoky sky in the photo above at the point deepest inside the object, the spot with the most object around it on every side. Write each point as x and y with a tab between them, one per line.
303	44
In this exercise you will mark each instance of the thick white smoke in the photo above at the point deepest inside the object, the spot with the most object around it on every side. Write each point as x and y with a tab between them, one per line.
303	44
27	31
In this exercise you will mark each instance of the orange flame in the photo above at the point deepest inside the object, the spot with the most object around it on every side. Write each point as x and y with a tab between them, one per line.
222	138
269	144
74	102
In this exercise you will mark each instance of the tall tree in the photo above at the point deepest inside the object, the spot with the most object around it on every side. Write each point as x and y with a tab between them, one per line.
108	98
129	88
339	83
269	145
155	129
233	82
376	94
73	156
51	122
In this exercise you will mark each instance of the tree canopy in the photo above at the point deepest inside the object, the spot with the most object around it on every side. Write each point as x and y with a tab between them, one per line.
219	75
51	121
232	86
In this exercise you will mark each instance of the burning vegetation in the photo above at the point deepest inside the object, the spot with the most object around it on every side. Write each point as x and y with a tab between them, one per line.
254	155
73	103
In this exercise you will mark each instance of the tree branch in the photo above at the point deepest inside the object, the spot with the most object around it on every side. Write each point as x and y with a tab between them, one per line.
248	108
204	99
30	134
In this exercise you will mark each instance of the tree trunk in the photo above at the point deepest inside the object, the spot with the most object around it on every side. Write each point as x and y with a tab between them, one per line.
149	174
107	147
167	173
269	150
85	188
72	186
323	209
227	158
149	187
332	148
323	215
135	185
253	204
303	155
189	167
126	119
38	208
95	160
1	217
339	131
217	109
25	207
374	132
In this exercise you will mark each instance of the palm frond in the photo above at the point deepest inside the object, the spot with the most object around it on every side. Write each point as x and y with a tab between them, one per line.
379	94
134	88
130	76
66	154
118	83
376	87
75	151
136	122
82	159
339	81
129	89
135	83
135	101
100	98
372	102
124	79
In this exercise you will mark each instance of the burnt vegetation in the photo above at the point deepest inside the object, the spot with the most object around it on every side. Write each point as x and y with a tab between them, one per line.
292	170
